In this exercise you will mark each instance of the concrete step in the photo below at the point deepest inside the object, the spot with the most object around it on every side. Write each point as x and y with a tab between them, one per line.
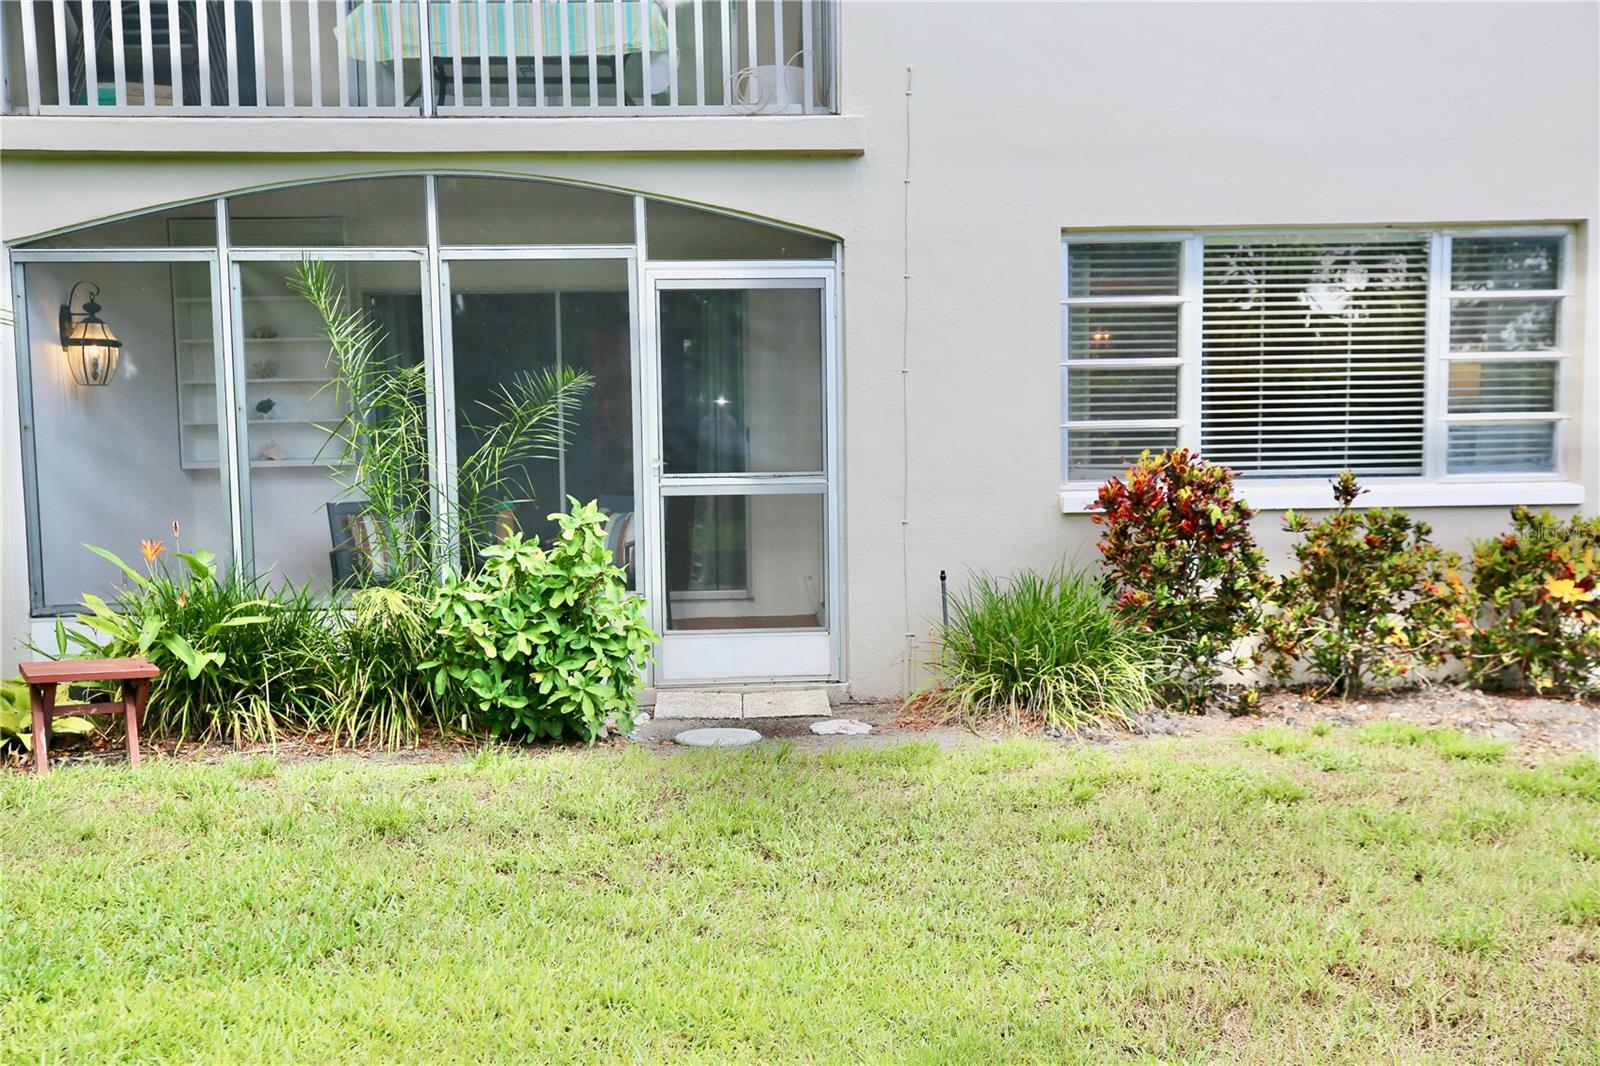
737	705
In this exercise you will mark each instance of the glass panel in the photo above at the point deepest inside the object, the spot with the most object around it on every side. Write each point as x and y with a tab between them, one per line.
193	226
1479	387
1502	448
476	211
741	380
1122	332
1502	263
110	471
1123	269
310	525
1121	395
369	213
686	233
511	321
1509	325
745	562
1096	454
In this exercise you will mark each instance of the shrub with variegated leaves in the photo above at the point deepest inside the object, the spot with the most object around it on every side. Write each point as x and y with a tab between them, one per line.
1372	599
1540	585
1180	561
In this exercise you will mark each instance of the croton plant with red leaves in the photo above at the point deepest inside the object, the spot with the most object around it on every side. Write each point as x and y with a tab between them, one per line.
1180	560
1540	585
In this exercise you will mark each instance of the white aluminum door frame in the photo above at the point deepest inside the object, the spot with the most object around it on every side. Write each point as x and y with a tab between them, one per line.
718	652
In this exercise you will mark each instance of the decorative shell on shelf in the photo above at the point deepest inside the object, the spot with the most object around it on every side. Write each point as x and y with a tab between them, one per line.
263	333
264	368
272	451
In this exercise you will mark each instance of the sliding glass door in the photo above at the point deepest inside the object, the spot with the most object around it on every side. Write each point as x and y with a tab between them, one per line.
741	403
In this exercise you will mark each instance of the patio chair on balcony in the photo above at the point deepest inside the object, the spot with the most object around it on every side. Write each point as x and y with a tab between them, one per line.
180	87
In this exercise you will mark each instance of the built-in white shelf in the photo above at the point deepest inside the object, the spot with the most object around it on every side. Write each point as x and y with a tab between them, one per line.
300	355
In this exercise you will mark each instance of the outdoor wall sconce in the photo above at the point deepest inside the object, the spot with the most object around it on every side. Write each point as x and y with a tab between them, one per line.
92	350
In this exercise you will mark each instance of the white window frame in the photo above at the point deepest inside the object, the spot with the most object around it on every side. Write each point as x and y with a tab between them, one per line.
1436	487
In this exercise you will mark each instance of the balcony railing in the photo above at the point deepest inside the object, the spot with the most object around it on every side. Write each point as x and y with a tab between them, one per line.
418	57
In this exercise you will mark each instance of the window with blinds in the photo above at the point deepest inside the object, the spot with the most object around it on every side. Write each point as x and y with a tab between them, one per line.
1505	354
1121	358
1313	356
1414	354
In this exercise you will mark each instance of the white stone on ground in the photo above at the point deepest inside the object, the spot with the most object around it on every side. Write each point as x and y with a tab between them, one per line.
845	727
717	738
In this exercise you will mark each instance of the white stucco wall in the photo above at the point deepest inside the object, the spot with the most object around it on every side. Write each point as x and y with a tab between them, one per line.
1025	120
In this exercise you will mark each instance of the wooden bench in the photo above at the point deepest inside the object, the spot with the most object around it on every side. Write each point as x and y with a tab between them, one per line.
43	677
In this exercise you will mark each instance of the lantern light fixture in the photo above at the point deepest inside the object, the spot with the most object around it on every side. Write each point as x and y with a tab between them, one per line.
92	350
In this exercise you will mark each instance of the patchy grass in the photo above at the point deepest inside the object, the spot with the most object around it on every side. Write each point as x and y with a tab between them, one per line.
1294	897
1447	742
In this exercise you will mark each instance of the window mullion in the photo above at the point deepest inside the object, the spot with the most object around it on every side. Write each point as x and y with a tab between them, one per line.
1189	325
1437	344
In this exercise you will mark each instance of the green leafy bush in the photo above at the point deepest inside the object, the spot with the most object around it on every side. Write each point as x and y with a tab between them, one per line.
1180	561
1372	598
1540	585
544	643
239	659
1043	647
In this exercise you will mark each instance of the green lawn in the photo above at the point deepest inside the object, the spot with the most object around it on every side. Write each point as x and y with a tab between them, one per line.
1389	896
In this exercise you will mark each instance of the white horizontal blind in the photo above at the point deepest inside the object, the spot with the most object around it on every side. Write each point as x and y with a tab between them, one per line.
1506	354
1121	353
1314	355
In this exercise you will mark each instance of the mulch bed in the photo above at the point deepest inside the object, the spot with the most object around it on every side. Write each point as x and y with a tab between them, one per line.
1535	727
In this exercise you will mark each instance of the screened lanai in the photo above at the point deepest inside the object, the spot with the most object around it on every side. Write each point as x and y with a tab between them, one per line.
176	385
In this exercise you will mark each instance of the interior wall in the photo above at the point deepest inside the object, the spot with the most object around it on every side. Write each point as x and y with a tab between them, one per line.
111	452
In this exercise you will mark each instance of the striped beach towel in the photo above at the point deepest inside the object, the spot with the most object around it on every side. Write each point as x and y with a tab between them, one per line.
498	28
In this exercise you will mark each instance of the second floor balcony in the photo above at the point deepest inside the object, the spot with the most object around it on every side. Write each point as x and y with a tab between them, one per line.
410	58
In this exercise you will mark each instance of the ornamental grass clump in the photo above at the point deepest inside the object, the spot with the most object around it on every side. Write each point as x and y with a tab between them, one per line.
1042	648
1371	600
1540	585
383	695
1181	562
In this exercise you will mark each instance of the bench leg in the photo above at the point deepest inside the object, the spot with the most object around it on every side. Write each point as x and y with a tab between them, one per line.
41	701
133	696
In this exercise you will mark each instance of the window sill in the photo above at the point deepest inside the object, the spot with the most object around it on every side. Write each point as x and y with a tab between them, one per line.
1314	494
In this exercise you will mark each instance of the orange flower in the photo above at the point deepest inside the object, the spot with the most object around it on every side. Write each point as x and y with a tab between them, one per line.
152	550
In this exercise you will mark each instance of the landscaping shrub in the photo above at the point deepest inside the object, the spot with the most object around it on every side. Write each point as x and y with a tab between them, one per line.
544	643
383	693
1181	562
1043	647
1372	598
1540	584
239	658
